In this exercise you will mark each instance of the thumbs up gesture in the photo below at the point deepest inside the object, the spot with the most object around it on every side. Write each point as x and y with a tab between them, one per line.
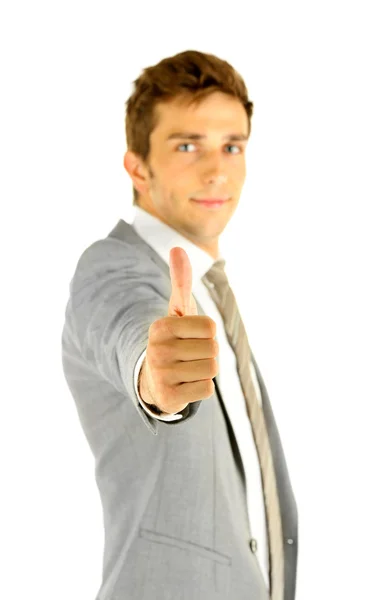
180	360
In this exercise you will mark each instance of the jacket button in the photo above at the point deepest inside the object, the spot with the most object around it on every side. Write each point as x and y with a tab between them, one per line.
253	545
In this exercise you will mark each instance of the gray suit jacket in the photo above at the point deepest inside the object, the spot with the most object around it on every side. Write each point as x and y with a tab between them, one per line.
173	494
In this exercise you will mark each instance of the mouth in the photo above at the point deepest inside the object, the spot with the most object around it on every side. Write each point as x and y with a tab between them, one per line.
211	202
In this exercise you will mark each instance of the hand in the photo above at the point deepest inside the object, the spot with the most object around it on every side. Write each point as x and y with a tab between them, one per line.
180	364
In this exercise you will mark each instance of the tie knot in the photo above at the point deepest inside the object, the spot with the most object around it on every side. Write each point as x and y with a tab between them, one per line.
216	274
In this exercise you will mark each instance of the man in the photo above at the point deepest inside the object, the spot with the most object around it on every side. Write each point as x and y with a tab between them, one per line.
193	511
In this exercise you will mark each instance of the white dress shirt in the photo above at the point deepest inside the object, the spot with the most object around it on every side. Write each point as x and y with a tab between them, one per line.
162	238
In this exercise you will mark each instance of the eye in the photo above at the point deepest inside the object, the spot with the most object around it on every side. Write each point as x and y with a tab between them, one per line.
234	146
228	146
181	145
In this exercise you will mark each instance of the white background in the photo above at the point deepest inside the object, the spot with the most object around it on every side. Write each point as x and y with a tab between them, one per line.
299	233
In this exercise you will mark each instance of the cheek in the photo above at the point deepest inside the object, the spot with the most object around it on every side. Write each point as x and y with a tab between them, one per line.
169	174
179	178
239	174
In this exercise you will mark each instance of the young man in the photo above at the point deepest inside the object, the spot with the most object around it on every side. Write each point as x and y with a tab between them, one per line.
187	494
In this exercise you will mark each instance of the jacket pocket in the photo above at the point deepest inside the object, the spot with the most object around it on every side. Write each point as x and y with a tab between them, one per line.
208	553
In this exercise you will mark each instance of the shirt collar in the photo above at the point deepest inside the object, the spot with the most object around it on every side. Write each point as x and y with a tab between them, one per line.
161	237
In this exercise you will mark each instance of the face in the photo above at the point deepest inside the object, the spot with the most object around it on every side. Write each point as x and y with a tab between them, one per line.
180	169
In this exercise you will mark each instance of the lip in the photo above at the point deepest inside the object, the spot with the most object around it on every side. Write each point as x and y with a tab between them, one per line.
210	199
213	202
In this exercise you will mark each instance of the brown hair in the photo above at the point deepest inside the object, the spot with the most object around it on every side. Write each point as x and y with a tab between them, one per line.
192	74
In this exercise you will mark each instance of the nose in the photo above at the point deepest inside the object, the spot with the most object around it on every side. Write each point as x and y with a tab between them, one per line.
213	172
217	179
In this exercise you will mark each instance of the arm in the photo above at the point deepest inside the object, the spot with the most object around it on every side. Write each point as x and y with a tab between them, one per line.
115	295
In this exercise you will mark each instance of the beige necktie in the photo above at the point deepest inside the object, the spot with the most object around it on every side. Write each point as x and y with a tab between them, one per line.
217	283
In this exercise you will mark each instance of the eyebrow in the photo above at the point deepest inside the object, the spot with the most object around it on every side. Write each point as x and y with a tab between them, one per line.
238	137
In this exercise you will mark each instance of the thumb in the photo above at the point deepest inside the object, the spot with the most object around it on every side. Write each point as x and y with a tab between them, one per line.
182	301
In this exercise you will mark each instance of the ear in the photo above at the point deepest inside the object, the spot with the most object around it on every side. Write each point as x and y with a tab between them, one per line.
137	171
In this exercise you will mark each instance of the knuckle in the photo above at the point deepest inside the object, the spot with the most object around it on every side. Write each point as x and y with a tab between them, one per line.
174	393
158	326
153	329
151	356
173	397
160	353
164	352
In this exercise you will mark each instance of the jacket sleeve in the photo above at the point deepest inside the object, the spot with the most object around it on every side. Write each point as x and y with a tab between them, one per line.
116	293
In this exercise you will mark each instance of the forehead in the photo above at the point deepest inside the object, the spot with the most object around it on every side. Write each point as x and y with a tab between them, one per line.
218	111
